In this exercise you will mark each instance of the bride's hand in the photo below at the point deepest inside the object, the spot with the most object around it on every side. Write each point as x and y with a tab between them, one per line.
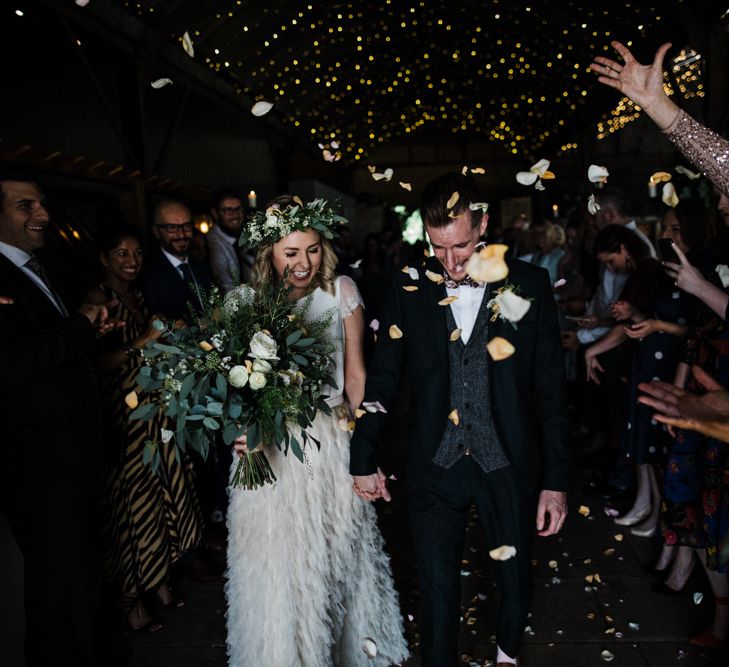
240	445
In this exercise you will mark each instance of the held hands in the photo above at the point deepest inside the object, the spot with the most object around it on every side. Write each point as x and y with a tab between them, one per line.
240	445
551	512
371	487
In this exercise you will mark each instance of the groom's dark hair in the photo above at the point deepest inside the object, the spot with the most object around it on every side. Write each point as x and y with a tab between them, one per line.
434	200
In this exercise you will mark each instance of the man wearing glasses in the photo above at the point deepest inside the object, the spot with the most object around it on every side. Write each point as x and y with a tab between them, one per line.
173	279
226	209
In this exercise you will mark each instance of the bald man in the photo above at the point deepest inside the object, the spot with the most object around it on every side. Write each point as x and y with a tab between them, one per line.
172	279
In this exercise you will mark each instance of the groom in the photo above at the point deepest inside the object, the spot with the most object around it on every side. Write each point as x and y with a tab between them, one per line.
505	452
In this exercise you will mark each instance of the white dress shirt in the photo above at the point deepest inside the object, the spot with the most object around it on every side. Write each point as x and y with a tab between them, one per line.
20	258
465	308
224	260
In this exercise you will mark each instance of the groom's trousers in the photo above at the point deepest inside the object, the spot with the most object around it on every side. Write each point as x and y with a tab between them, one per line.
439	505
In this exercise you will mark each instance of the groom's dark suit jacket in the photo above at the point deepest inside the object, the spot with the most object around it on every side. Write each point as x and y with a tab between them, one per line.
49	398
527	389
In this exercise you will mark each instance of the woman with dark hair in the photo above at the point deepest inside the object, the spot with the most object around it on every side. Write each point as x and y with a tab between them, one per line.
654	310
152	517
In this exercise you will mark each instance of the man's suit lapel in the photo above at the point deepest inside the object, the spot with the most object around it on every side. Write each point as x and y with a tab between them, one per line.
22	283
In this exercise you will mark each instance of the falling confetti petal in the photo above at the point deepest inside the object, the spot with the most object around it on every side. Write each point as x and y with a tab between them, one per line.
345	425
464	171
356	265
592	206
161	83
413	273
606	655
499	348
539	186
584	510
619	537
373	406
447	301
395	332
634	626
488	265
410	288
369	647
553	564
687	172
560	283
698	597
187	45
722	270
375	325
597	174
455	335
261	108
132	400
526	178
82	3
660	177
453	200
386	175
371	168
503	552
478	170
611	512
437	278
668	195
406	186
359	413
166	435
453	417
476	206
512	307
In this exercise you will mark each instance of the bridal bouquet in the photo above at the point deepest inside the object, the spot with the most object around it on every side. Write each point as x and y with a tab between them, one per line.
252	365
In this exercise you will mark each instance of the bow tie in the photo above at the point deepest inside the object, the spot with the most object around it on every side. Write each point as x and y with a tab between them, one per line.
467	281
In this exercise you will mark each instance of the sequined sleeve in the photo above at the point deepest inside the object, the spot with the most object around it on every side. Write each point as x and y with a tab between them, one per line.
706	149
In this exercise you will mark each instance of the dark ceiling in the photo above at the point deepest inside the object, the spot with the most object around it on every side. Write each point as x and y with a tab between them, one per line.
368	73
365	74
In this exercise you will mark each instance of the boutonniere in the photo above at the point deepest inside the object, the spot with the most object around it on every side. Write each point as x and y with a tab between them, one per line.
507	305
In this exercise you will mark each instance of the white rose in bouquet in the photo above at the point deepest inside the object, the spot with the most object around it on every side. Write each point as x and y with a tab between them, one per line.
261	365
263	346
257	380
238	376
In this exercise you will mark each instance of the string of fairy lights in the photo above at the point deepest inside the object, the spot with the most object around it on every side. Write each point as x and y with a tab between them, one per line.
362	74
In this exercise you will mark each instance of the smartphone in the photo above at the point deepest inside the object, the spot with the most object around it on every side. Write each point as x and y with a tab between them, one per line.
666	251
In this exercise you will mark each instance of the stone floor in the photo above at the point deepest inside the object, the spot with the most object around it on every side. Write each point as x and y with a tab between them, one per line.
573	620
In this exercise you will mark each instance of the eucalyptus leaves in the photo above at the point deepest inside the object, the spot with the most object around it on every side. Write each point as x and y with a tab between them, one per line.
253	366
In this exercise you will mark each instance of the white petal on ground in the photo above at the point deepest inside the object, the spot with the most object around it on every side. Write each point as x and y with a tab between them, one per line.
261	108
187	45
597	174
161	83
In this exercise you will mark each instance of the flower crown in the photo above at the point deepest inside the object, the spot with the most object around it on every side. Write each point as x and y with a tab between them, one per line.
275	223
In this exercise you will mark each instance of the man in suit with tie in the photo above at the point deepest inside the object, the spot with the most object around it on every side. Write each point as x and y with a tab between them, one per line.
482	432
50	422
172	280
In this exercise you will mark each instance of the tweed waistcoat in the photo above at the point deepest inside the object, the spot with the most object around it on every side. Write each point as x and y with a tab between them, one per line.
470	394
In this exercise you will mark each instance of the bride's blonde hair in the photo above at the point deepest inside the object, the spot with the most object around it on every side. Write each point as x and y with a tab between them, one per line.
263	272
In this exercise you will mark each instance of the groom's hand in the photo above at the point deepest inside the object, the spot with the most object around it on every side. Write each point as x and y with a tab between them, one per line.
371	487
551	512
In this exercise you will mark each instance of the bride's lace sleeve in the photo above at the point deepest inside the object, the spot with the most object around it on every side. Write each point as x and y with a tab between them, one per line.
349	296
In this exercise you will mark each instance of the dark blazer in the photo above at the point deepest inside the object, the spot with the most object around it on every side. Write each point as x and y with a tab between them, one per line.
528	391
165	292
49	398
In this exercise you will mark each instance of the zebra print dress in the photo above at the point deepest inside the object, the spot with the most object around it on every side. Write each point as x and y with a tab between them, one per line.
151	518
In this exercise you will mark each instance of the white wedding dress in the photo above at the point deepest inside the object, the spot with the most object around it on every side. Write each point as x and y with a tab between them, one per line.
308	580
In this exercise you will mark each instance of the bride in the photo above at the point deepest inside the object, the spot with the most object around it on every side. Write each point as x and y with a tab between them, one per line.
308	582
